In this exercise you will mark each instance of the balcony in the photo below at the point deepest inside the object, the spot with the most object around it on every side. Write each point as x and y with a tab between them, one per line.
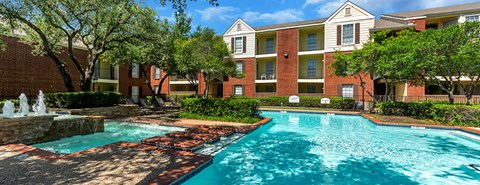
311	40
266	71
310	89
179	79
310	69
265	90
266	45
105	73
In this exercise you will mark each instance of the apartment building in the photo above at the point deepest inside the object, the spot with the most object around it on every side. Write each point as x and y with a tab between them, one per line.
294	58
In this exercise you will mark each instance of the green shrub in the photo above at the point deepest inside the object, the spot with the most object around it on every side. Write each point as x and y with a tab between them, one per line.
309	101
2	102
219	107
458	115
250	120
82	99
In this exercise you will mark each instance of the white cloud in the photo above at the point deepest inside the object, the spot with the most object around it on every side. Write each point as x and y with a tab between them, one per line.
221	12
312	2
282	16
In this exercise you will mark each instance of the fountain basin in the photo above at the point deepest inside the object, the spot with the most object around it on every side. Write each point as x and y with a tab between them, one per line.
43	128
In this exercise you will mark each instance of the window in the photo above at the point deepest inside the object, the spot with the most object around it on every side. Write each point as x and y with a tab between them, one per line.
269	45
239	66
269	68
238	44
156	88
269	88
347	35
157	73
311	68
472	18
312	41
135	71
347	90
311	89
348	11
238	90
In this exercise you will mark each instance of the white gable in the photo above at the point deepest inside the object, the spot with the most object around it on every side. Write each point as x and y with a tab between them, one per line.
356	13
238	28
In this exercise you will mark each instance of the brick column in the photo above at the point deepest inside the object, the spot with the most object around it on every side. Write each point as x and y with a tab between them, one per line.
287	67
419	24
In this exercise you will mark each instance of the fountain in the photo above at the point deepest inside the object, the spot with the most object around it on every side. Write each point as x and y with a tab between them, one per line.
24	107
8	109
39	108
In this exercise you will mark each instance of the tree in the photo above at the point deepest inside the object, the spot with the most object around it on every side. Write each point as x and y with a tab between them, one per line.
205	53
468	54
437	57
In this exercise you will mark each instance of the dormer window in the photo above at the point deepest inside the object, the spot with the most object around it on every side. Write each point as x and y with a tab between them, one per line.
348	11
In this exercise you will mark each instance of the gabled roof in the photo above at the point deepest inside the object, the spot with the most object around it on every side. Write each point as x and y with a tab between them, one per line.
389	25
290	24
351	4
235	23
470	7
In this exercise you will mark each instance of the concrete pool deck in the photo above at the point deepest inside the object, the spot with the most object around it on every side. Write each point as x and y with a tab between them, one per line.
118	163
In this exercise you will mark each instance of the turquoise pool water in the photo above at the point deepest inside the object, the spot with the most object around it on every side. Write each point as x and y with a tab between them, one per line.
114	132
302	148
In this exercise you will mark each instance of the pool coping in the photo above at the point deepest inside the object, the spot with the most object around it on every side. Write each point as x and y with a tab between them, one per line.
174	175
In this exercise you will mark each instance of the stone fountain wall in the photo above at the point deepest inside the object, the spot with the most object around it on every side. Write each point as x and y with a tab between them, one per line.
36	129
119	111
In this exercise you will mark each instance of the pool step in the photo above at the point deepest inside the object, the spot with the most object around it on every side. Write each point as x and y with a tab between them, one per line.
466	135
212	149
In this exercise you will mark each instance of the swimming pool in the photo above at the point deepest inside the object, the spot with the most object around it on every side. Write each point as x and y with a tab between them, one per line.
114	131
306	148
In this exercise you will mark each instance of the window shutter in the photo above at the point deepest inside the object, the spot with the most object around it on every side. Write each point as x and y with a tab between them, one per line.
339	90
140	91
232	45
355	92
233	90
244	44
140	71
130	71
225	78
243	67
357	33
129	91
243	90
339	35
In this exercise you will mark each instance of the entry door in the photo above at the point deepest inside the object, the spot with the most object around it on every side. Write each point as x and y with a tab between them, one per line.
135	94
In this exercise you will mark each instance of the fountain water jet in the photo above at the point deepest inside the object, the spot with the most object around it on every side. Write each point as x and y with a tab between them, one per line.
8	109
24	107
39	108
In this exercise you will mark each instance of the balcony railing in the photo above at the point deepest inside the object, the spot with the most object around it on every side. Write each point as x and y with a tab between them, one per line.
305	47
179	78
264	76
105	73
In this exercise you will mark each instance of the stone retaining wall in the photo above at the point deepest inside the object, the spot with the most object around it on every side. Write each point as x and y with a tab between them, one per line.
36	129
108	112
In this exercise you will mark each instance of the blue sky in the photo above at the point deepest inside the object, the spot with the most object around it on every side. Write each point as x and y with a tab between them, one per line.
266	12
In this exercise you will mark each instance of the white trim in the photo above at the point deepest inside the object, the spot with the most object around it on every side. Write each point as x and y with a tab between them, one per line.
107	81
401	18
182	82
314	52
265	81
234	25
270	55
413	18
311	80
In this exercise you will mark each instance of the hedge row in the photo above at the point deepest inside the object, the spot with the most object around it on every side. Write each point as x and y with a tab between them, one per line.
2	102
458	115
234	107
309	101
82	99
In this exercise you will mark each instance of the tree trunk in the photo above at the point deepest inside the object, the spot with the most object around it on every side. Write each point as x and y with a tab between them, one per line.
67	79
207	84
161	83
451	97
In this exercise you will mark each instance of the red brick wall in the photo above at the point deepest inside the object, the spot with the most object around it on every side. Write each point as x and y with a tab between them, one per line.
418	91
419	24
248	81
332	81
154	82
22	72
287	68
125	81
